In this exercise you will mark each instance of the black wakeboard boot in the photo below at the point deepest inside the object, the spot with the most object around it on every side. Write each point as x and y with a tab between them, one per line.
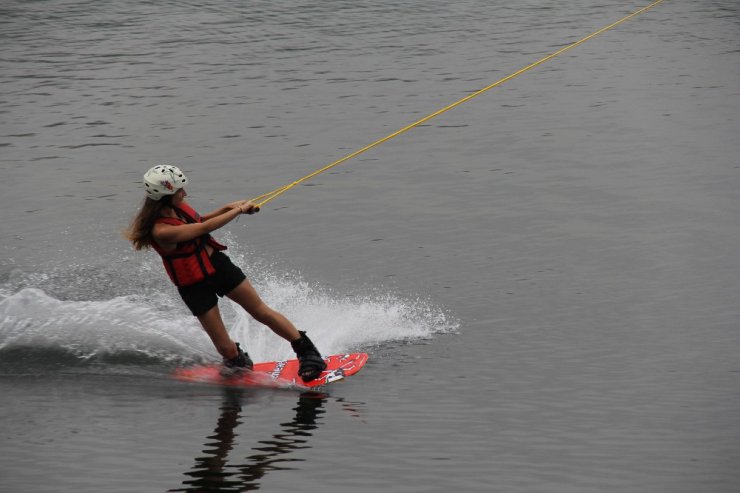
240	362
311	362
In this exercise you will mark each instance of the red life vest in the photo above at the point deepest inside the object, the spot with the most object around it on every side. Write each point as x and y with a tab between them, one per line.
189	262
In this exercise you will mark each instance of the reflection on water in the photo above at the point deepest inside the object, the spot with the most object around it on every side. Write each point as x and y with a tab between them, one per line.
213	471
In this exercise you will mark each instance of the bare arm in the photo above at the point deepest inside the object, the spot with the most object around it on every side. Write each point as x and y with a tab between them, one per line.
168	235
219	211
247	207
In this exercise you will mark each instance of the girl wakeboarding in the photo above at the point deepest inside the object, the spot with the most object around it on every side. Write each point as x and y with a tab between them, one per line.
196	264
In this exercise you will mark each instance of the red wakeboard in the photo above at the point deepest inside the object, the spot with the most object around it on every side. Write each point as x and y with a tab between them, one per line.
275	374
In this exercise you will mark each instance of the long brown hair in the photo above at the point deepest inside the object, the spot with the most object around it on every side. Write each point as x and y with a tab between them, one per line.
140	231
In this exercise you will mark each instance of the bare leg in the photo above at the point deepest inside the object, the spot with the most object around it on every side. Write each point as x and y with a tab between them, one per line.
216	330
311	364
247	297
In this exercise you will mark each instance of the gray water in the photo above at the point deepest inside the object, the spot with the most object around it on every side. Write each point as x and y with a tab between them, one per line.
545	277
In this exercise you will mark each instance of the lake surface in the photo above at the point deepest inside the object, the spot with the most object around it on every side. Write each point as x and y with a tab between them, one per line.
545	277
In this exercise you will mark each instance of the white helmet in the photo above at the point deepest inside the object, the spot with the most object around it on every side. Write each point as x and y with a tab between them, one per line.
163	180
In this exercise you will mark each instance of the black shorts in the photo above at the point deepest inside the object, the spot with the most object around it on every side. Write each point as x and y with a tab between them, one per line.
202	296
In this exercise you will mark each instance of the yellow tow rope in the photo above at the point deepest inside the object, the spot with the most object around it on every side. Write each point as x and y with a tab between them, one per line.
267	197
